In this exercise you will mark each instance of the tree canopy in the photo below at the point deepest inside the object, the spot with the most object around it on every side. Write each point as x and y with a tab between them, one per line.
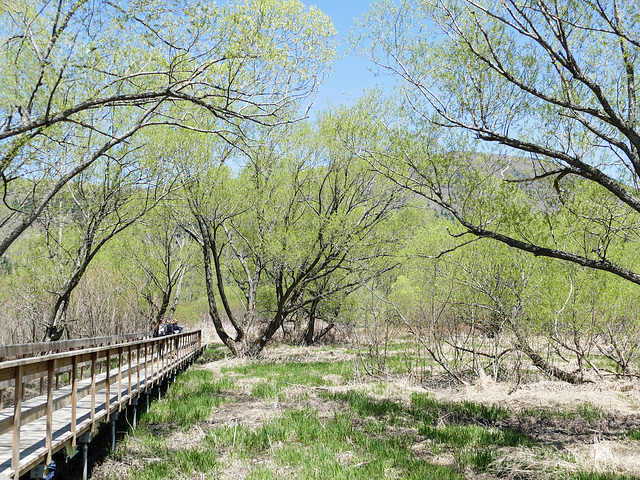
530	107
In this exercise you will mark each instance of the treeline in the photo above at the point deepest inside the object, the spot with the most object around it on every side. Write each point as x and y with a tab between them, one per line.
170	171
300	238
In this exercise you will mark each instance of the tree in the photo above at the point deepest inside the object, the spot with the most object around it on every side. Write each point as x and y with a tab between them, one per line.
82	78
544	95
159	255
90	211
298	226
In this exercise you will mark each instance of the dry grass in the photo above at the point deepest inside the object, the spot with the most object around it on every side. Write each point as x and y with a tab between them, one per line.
620	399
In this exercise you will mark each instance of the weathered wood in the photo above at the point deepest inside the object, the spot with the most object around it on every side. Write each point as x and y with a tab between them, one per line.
119	378
49	433
74	400
44	424
17	413
30	349
108	386
94	359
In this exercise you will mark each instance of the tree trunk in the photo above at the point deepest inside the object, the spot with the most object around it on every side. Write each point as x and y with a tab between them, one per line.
307	339
546	367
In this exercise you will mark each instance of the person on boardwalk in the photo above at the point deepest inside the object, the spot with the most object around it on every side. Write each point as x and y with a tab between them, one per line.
177	328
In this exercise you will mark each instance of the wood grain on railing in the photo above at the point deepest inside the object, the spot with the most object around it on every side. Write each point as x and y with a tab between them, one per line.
140	363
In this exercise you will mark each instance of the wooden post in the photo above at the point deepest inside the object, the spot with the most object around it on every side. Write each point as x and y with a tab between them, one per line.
152	361
129	363
94	358
74	397
138	366
146	365
51	371
17	414
119	378
108	384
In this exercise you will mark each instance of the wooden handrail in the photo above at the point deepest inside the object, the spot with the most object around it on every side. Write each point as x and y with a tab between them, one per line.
162	355
31	349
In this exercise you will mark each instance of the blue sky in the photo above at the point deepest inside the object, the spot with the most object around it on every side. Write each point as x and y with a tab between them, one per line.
351	75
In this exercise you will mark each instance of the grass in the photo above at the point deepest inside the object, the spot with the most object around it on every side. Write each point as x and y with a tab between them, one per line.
190	399
586	411
214	353
267	391
185	463
633	435
474	445
308	445
365	437
310	374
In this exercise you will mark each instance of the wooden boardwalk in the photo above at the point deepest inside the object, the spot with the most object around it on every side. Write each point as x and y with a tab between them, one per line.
97	383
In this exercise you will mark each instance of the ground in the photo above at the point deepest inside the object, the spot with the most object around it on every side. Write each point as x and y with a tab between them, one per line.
595	442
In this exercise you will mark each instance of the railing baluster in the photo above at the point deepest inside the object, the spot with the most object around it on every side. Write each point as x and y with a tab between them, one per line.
138	366
17	418
108	385
119	378
74	396
51	367
129	363
94	358
152	362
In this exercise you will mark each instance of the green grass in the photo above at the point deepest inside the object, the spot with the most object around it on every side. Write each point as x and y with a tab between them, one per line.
310	374
214	352
366	406
473	445
432	408
334	449
370	438
633	434
267	390
601	476
187	463
262	473
586	411
474	436
424	408
190	399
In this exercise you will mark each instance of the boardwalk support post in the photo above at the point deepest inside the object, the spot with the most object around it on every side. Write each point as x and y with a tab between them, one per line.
114	419
84	440
134	404
39	472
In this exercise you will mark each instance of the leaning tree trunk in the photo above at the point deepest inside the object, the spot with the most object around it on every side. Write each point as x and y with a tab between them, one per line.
543	365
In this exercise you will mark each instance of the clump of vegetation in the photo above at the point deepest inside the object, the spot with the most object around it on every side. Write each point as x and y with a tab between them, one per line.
371	437
212	353
191	398
297	373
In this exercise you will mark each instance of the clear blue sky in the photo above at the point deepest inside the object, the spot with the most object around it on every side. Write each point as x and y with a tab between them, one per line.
351	74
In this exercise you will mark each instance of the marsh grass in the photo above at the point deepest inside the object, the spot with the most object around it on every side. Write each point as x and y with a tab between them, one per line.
265	390
297	373
365	437
190	399
633	434
336	449
587	411
214	353
185	463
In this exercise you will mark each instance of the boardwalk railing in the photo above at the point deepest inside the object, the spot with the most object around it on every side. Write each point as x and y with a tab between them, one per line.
74	390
